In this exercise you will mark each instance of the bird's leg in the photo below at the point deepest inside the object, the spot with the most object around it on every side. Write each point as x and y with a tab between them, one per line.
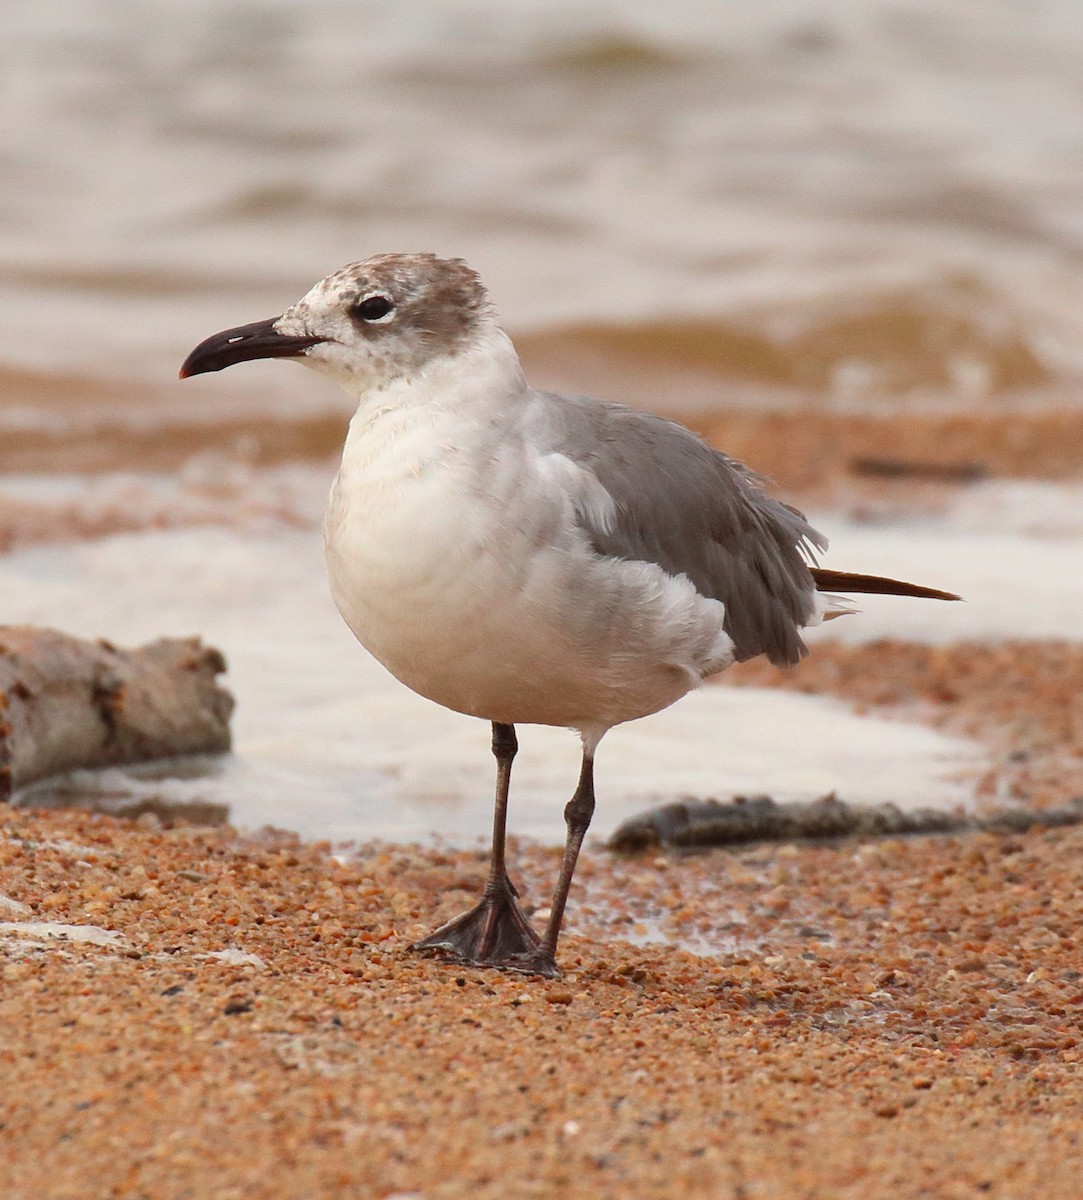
577	815
494	933
541	958
505	747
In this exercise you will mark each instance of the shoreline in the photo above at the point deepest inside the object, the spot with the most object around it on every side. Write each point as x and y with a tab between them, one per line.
880	1018
812	446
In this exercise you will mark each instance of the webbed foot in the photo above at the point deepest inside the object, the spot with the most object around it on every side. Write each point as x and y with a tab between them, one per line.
494	933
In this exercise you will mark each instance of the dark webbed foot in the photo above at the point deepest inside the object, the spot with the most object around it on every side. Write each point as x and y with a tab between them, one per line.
495	933
536	962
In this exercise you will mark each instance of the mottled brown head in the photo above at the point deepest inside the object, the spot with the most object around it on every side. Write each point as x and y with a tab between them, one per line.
367	323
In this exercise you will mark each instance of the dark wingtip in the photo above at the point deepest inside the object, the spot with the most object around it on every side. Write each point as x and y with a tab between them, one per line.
850	581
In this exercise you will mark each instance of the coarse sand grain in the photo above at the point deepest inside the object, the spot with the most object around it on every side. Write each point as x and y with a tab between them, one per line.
885	1019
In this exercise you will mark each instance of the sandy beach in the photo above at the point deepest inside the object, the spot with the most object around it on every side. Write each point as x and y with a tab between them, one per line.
844	245
193	1014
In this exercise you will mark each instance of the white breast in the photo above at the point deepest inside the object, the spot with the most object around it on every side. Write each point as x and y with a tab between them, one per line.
455	557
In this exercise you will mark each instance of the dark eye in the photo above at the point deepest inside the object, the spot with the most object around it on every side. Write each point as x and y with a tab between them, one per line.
373	308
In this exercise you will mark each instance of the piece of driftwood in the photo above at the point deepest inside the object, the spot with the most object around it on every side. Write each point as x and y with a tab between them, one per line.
66	702
901	468
699	824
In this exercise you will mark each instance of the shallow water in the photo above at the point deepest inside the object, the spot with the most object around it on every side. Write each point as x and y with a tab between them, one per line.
328	744
850	204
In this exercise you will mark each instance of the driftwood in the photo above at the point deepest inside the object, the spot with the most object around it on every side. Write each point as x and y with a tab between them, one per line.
901	468
699	824
68	703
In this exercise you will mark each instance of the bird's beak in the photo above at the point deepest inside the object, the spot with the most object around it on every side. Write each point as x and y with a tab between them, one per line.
246	342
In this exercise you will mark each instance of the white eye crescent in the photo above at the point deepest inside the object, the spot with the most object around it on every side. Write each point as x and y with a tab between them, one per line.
375	309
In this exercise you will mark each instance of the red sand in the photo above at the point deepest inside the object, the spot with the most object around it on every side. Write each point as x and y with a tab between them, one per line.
891	1020
898	1019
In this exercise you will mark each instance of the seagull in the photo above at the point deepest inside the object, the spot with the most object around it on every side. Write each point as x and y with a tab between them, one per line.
526	557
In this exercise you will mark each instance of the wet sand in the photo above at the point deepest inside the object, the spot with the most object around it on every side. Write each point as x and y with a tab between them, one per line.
232	470
895	1018
807	439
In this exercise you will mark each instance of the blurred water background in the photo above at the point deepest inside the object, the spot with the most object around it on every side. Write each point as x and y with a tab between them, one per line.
847	201
704	207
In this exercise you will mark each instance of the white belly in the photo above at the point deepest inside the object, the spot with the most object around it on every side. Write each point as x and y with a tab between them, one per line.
488	600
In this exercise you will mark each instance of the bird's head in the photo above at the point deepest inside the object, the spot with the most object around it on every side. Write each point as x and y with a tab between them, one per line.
366	324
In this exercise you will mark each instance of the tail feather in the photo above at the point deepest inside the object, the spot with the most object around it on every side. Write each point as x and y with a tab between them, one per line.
850	581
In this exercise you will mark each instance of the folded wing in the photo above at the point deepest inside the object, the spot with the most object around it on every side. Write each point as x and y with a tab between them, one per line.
698	513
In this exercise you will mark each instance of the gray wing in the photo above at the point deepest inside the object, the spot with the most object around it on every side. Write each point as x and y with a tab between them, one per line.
694	511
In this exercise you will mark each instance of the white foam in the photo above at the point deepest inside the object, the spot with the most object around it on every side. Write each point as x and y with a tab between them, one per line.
1013	551
210	489
1031	507
329	745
